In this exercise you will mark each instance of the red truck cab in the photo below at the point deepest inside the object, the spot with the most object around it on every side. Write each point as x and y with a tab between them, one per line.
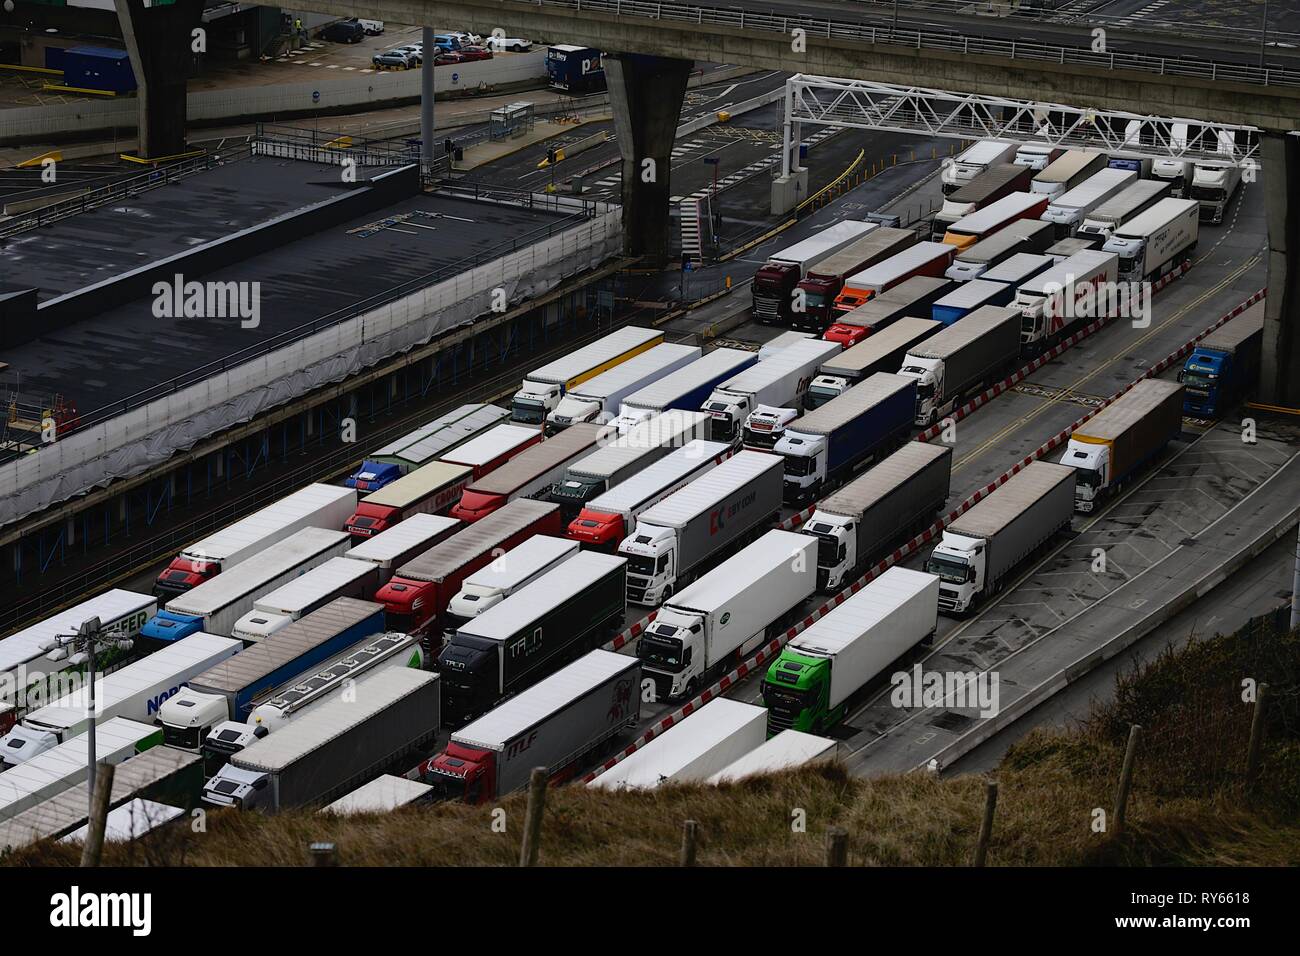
474	505
847	335
466	774
597	530
371	519
407	604
181	575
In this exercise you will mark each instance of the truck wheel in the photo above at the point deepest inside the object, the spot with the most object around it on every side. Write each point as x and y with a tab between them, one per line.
692	686
667	593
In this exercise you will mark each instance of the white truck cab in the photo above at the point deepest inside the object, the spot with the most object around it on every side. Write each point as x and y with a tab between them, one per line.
1091	464
651	562
805	463
928	373
1213	187
765	426
674	645
959	561
187	716
256	626
22	744
232	787
571	410
628	418
227	739
824	388
533	401
837	546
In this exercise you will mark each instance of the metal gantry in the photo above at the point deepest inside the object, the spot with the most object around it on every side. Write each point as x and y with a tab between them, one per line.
864	104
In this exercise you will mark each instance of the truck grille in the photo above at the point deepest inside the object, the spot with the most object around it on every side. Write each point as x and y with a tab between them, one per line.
777	722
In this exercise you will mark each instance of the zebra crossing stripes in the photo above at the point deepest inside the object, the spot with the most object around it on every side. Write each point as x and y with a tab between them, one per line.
1139	14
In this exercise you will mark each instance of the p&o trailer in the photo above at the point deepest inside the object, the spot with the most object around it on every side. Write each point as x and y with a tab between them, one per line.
1224	365
1110	447
528	474
882	352
676	537
530	634
342	744
727	612
981	548
543	388
779	381
961	359
810	686
554	724
712	739
336	578
785	751
599	399
685	389
897	497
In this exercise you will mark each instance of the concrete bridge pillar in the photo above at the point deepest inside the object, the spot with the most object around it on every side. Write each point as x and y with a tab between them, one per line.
646	93
1279	380
160	41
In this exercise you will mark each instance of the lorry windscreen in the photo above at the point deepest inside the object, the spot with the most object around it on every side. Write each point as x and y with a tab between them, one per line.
1196	380
528	410
184	738
785	701
800	465
662	653
829	551
641	564
949	569
1208	193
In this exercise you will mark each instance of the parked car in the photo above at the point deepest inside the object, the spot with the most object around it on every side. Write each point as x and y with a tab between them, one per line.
413	51
394	59
466	39
373	28
447	41
509	44
468	53
448	59
344	31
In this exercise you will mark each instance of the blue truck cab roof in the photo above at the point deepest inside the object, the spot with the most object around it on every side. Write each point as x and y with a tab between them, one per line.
373	475
169	627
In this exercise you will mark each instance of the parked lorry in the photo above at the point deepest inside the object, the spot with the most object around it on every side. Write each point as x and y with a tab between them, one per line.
384	794
824	670
676	538
389	550
426	490
685	389
417	595
576	70
624	457
1020	236
882	352
988	187
566	612
225	691
135	692
607	519
981	549
1067	171
559	723
1135	199
599	399
693	750
343	743
969	296
895	500
515	569
33	658
487	452
707	627
1213	188
1224	365
780	341
438	437
529	474
831	442
922	259
1037	156
779	382
1063	297
825	280
316	506
1109	449
973	161
1069	209
911	298
775	282
1015	271
1068	248
962	359
786	751
543	388
989	220
216	605
1157	241
336	578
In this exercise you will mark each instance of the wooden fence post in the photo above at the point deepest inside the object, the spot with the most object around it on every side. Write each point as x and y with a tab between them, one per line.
1256	734
690	839
1125	781
837	846
533	817
986	826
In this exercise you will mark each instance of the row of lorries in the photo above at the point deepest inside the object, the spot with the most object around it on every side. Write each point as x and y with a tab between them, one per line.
511	609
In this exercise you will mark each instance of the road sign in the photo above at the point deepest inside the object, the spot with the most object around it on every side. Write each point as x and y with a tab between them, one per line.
315	96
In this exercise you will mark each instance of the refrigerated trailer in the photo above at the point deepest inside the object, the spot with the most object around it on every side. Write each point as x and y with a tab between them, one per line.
556	724
779	381
1224	365
892	501
1108	449
1068	210
513	570
1064	296
316	506
389	550
727	613
1020	236
676	538
531	634
529	474
923	259
216	605
543	388
1133	200
823	670
786	751
981	549
493	448
599	399
825	280
275	610
607	519
962	359
441	436
911	298
685	389
1157	241
882	352
775	281
429	489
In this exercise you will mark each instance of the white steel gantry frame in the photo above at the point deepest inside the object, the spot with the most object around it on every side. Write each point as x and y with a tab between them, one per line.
862	104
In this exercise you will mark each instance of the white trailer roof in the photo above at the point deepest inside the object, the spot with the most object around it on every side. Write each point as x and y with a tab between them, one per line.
308	587
402	537
521	562
667	755
268	564
432	444
418	484
970	294
1159	215
788	749
710	488
900	263
1016	267
1098	184
492	444
849	405
661	394
537	461
663	430
597	353
829	635
384	793
1010	206
504	723
1011	500
1074	269
984	152
796	355
330	719
64	766
1132	196
130	821
428	428
822	240
648	482
253	528
719	586
1005	238
633	370
189	656
554	587
28	644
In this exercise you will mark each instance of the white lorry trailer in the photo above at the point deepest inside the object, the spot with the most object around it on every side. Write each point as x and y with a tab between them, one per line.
1064	296
489	586
384	794
677	537
775	281
543	388
710	740
685	389
411	537
895	499
1157	241
981	548
1213	188
1133	200
786	751
335	578
823	670
881	352
727	613
779	382
343	743
1068	210
599	399
973	161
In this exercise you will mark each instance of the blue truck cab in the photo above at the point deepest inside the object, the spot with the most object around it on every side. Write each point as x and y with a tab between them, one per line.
167	627
373	475
1223	366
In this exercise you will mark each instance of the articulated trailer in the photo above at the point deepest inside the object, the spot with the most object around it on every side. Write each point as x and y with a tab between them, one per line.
599	399
430	442
543	388
529	474
882	352
1224	365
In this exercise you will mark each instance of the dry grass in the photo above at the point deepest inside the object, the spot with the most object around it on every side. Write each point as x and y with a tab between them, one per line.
1190	805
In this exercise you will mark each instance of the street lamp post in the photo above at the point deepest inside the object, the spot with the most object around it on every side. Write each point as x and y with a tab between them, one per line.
86	639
